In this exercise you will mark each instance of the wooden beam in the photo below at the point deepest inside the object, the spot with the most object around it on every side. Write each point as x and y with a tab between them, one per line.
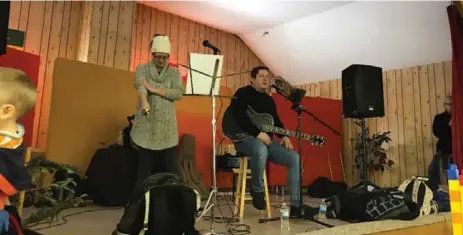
84	34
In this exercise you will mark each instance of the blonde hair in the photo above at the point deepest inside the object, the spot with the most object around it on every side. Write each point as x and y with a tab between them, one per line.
17	89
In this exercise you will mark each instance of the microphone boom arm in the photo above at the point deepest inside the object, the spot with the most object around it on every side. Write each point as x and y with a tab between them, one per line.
299	106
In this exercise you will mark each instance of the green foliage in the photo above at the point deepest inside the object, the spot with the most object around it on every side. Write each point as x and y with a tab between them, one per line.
377	156
53	198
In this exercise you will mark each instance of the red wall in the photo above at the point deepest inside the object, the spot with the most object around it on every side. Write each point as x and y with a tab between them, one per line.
315	158
28	63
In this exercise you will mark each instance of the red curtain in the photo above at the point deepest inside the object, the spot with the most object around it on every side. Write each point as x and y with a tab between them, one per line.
456	32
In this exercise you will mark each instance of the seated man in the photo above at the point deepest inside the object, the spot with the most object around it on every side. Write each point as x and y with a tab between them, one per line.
260	147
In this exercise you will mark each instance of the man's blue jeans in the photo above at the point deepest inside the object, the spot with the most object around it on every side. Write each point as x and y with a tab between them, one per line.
259	153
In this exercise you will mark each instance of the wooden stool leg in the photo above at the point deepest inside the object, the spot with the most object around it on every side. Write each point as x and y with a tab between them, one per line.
267	197
238	189
243	187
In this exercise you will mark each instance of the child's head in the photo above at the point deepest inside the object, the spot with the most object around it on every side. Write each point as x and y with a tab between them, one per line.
17	94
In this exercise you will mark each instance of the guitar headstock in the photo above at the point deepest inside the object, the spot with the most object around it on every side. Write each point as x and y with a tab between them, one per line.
317	140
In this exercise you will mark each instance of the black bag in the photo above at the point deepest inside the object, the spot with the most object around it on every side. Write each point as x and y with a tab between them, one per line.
111	175
161	204
323	187
367	202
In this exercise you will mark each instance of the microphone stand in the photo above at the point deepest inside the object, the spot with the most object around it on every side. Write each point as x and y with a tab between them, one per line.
212	202
297	106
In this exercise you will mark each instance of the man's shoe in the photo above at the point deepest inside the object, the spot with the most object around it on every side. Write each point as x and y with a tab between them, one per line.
258	200
295	212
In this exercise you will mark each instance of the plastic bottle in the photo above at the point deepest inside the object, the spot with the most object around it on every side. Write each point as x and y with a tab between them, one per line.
284	216
322	211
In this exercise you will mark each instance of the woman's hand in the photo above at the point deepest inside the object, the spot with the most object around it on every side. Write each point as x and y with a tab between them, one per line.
148	86
145	107
157	91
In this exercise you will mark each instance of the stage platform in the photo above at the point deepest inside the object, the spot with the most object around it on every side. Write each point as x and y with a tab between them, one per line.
438	224
100	220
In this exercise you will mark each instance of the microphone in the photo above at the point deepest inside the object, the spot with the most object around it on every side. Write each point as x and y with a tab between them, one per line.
206	43
278	90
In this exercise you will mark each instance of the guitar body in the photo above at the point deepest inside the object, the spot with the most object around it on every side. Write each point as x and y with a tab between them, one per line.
234	133
264	122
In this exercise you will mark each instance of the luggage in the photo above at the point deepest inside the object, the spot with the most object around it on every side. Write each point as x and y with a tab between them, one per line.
161	204
367	202
111	175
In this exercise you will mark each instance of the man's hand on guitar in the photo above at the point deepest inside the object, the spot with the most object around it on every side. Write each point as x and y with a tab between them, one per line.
264	138
286	142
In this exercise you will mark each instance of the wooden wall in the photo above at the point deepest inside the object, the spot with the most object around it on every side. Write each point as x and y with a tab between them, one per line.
52	31
186	36
117	34
114	34
412	97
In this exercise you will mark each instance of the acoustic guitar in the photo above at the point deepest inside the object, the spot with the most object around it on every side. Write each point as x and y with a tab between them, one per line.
265	123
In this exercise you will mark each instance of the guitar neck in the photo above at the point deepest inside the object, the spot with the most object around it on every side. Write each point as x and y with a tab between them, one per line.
281	131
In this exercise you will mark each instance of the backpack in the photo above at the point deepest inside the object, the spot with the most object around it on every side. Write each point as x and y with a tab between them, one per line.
367	202
160	204
111	175
419	197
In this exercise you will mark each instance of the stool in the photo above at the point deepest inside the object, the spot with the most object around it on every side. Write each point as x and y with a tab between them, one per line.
244	173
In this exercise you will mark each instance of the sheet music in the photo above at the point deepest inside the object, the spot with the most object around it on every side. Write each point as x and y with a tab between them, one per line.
202	83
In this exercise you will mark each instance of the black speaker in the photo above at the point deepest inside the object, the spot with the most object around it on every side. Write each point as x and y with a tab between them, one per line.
362	91
4	18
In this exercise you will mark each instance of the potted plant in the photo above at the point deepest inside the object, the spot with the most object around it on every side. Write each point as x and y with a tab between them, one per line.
377	156
50	197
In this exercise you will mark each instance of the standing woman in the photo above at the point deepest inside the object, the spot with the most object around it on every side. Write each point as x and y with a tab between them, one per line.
154	132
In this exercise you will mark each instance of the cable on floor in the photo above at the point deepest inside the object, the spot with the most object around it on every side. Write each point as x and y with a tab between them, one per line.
65	221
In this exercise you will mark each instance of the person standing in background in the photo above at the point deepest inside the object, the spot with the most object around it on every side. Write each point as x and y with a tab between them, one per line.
154	131
442	129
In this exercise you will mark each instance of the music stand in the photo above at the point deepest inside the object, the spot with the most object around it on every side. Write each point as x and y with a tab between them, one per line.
212	199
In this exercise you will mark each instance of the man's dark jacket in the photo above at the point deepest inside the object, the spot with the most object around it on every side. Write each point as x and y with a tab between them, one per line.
443	131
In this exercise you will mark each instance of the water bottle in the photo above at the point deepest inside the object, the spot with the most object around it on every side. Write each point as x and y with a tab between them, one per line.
284	215
322	211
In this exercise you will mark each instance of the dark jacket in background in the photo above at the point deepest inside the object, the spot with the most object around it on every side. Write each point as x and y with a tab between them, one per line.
443	131
127	140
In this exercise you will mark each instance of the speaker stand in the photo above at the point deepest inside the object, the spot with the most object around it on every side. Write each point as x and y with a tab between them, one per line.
364	166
